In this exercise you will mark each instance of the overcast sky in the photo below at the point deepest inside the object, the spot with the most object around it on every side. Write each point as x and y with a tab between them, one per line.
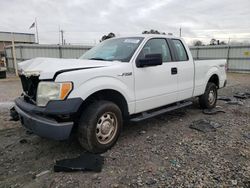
86	21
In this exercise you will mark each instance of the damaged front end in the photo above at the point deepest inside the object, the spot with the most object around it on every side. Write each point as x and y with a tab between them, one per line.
30	85
44	121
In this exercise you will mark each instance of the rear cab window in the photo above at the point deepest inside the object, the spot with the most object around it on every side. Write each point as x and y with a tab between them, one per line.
181	52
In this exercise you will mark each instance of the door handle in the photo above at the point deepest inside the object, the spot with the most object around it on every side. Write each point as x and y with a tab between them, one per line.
174	70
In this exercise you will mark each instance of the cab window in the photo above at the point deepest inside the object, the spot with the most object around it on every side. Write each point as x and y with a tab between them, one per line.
156	46
180	50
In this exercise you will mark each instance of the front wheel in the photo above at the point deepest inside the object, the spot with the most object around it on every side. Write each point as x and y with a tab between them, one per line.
209	98
100	126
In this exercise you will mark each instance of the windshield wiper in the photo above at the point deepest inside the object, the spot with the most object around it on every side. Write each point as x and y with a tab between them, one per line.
98	58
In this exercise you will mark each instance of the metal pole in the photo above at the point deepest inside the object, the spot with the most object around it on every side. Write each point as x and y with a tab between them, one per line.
5	56
37	38
14	54
180	31
59	35
228	52
62	36
197	53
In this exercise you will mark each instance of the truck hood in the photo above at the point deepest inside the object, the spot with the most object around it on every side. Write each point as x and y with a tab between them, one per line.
46	68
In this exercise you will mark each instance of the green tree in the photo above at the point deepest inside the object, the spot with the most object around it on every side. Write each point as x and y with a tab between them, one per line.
197	43
152	31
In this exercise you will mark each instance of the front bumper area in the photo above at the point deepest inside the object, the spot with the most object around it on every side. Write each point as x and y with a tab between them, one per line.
36	119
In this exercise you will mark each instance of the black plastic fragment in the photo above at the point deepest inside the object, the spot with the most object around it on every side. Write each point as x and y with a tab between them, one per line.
205	125
231	100
213	111
23	141
244	95
85	162
235	102
225	98
13	114
246	135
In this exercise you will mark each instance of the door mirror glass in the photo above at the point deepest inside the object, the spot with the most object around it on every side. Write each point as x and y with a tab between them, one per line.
149	60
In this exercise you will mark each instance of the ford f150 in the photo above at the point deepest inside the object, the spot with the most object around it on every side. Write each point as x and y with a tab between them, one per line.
133	78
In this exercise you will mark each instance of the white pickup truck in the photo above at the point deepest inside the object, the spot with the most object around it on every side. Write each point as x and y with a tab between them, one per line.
133	78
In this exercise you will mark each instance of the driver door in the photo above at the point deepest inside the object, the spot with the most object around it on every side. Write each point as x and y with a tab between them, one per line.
155	86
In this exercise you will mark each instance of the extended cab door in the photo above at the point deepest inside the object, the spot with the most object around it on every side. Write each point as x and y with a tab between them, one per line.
155	86
185	68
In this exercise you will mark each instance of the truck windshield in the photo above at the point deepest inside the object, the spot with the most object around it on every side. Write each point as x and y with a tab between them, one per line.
117	49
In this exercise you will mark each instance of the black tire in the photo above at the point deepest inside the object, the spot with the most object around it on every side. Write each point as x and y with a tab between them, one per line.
90	136
207	102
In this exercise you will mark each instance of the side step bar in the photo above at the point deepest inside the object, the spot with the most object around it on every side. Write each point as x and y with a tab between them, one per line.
146	115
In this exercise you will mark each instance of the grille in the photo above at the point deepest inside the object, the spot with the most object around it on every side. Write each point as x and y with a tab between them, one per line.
29	85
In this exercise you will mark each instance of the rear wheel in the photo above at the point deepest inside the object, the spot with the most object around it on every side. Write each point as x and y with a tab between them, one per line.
209	98
100	126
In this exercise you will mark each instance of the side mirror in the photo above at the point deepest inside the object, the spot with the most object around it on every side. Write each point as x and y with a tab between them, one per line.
149	60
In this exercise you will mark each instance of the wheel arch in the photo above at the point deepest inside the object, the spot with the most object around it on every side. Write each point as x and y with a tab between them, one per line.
214	78
109	95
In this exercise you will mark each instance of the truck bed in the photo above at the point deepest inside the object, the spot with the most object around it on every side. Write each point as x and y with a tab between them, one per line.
204	69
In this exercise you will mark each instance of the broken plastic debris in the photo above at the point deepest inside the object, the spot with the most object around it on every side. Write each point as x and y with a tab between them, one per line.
230	100
213	111
244	95
235	102
23	141
85	162
225	98
13	114
204	125
42	173
247	135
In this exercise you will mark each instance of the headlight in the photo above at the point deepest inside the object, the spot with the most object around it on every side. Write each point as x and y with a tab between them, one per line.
47	91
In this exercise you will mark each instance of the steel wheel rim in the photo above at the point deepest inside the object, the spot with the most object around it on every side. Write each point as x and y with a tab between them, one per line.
106	128
211	97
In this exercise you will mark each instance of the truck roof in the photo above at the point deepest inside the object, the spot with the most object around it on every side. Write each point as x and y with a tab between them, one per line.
150	36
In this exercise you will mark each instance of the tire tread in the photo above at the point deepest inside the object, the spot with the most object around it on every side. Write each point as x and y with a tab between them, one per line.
88	120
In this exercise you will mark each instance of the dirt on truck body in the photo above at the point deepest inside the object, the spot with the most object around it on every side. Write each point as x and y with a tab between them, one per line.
160	152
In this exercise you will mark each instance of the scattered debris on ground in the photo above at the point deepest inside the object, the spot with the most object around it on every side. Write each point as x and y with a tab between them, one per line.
205	125
235	99
247	135
235	103
13	115
23	141
225	98
242	95
230	100
42	173
85	162
213	111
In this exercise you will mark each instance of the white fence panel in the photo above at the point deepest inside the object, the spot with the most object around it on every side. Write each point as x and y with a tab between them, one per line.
29	51
238	57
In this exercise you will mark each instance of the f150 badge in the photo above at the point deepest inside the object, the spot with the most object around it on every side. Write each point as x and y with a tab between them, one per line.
125	74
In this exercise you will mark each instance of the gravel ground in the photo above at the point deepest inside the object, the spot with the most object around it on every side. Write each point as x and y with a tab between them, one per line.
160	152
